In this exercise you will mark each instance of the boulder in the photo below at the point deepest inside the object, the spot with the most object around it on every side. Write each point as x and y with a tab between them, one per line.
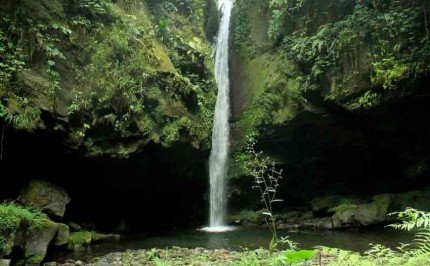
62	236
83	239
99	238
35	241
29	231
351	215
374	212
43	196
245	217
79	240
328	202
74	226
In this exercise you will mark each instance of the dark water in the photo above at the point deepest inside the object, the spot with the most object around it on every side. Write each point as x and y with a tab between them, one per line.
355	240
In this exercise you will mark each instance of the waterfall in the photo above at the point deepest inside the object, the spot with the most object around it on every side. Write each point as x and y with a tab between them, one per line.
221	131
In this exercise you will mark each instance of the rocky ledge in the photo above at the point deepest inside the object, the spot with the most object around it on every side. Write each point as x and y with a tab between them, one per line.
338	211
33	223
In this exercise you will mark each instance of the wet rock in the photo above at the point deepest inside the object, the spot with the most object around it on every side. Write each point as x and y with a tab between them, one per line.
74	226
51	263
43	196
63	235
79	263
98	237
325	223
83	239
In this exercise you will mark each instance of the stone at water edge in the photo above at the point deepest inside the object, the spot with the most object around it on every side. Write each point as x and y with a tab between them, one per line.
43	196
350	215
81	240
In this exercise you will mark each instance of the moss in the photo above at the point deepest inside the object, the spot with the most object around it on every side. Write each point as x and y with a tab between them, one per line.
12	217
118	54
63	235
80	238
249	216
35	259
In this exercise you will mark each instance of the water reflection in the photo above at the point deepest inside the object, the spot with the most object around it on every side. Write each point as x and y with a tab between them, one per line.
355	240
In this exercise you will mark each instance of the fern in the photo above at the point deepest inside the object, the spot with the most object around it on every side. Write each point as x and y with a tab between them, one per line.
416	220
412	219
422	242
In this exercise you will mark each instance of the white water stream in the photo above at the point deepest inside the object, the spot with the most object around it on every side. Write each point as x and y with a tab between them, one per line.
221	131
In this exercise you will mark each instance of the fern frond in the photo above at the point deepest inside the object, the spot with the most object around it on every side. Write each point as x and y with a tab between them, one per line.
422	242
412	219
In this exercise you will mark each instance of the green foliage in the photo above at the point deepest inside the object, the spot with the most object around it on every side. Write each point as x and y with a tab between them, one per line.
21	40
131	75
388	41
13	216
135	95
416	253
80	238
12	58
294	257
183	256
242	29
414	219
266	180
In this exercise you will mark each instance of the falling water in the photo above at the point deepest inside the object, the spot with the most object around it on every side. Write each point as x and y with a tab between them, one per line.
220	134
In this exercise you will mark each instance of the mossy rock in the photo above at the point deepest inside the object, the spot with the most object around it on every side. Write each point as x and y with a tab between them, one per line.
349	215
43	196
79	240
82	239
248	216
63	235
36	241
332	201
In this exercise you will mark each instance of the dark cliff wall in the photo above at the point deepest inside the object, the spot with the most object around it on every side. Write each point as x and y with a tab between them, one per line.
334	92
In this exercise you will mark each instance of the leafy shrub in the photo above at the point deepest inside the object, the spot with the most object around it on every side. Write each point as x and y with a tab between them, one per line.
294	257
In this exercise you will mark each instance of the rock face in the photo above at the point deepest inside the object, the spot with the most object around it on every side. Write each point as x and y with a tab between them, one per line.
43	196
351	215
34	240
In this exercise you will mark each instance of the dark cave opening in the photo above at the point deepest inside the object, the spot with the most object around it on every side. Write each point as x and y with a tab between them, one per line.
380	150
156	189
